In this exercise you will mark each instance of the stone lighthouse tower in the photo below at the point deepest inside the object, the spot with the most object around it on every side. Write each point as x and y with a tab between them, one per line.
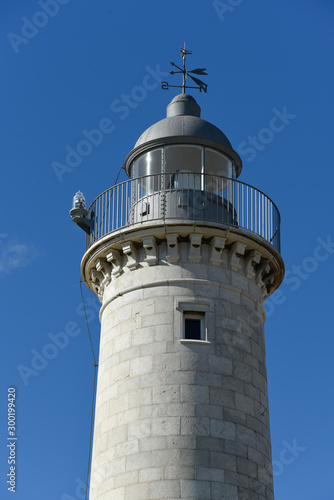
182	257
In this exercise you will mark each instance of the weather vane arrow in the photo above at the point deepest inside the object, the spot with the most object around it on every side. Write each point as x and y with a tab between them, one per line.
197	71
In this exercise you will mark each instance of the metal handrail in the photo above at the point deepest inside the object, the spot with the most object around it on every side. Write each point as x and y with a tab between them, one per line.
185	196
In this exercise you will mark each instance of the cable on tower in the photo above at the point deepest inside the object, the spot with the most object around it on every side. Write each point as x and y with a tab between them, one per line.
94	394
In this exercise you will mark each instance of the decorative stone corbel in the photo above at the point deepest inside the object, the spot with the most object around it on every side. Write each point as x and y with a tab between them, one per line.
263	268
253	258
131	253
97	279
149	243
172	248
217	247
103	267
195	247
115	258
235	252
268	282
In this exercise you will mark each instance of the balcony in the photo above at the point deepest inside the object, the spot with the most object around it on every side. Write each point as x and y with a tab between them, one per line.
186	198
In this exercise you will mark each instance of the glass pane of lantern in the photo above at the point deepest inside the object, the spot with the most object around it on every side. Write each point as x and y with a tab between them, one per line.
183	164
148	168
217	165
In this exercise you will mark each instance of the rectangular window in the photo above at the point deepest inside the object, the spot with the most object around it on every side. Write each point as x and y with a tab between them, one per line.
194	321
194	325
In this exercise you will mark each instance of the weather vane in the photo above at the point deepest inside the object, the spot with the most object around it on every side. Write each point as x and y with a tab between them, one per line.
198	71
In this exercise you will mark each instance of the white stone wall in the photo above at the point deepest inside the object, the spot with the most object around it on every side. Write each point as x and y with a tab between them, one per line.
182	420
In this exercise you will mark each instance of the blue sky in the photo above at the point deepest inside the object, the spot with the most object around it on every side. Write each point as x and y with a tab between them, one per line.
67	70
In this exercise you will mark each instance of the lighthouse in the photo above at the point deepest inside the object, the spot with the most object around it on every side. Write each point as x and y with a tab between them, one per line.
182	256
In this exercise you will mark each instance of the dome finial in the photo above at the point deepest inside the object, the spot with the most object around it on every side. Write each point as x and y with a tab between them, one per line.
198	71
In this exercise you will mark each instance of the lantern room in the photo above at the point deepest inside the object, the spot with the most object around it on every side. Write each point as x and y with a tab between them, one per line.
187	159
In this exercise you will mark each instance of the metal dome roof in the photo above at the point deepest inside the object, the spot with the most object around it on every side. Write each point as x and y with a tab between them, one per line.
183	119
183	125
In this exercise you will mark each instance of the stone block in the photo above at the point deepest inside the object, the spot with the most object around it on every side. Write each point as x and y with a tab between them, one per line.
119	403
165	318
153	379
221	365
198	457
139	429
263	446
237	479
194	394
181	442
170	362
108	424
150	474
210	379
220	491
141	365
255	424
246	467
194	358
126	479
195	426
138	461
137	491
252	392
257	351
164	333
142	336
116	467
143	308
242	371
117	494
233	384
153	348
140	397
256	456
209	410
195	489
246	436
222	397
131	353
164	489
165	305
244	404
119	372
257	487
150	443
164	394
163	458
179	472
122	342
235	416
210	443
168	426
126	448
221	429
127	416
174	410
209	474
235	448
224	461
246	494
117	436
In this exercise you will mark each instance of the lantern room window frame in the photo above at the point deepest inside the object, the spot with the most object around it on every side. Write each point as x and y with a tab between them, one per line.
210	162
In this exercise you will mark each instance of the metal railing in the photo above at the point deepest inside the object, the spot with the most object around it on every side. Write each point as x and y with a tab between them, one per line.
185	196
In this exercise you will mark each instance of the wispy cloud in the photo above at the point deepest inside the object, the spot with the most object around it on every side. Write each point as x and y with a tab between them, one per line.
15	255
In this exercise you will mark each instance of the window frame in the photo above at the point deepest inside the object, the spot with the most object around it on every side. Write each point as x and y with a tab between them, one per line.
204	311
194	315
